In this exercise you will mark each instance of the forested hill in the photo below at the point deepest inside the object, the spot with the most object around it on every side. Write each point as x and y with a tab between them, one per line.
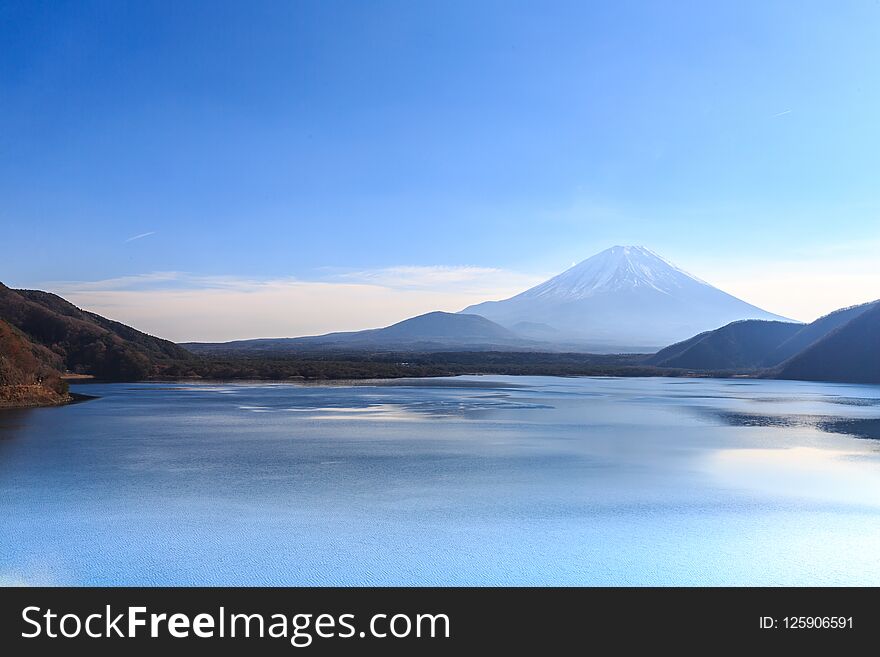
29	373
841	346
84	342
849	353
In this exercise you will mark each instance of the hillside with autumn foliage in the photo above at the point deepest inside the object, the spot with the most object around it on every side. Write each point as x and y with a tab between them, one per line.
86	343
29	373
43	337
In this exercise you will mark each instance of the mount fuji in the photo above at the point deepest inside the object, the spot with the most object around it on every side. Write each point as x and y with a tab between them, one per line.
626	297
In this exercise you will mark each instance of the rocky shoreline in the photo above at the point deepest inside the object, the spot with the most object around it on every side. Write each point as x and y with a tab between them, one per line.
31	396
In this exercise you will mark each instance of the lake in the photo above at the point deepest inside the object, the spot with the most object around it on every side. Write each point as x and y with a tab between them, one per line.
458	481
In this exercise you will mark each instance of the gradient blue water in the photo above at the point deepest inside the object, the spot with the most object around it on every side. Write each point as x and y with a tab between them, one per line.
473	480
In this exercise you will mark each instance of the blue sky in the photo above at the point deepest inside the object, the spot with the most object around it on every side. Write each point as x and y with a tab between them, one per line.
343	143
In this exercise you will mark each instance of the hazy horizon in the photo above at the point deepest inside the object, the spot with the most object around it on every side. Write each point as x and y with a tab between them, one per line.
220	309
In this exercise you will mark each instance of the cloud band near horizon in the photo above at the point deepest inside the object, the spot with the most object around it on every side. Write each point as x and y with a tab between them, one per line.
186	307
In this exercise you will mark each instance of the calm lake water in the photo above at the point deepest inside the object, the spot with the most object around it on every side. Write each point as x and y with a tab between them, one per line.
470	480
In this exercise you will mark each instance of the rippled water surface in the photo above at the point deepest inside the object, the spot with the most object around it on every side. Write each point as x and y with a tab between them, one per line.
471	480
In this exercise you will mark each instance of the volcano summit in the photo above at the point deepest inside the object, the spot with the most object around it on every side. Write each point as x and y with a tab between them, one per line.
624	297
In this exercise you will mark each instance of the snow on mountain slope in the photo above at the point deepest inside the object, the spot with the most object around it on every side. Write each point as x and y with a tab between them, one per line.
624	296
618	268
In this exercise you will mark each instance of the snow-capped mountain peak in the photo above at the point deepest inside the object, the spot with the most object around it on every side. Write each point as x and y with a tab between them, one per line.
617	268
624	297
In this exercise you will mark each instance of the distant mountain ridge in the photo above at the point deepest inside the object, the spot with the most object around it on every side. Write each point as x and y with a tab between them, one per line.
435	330
848	352
748	344
841	346
625	295
43	336
814	331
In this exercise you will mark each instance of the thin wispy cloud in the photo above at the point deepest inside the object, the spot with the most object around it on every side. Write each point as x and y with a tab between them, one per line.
459	277
463	278
140	237
783	113
152	280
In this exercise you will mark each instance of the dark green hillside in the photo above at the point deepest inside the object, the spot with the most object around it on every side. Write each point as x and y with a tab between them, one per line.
745	345
850	353
841	346
815	331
